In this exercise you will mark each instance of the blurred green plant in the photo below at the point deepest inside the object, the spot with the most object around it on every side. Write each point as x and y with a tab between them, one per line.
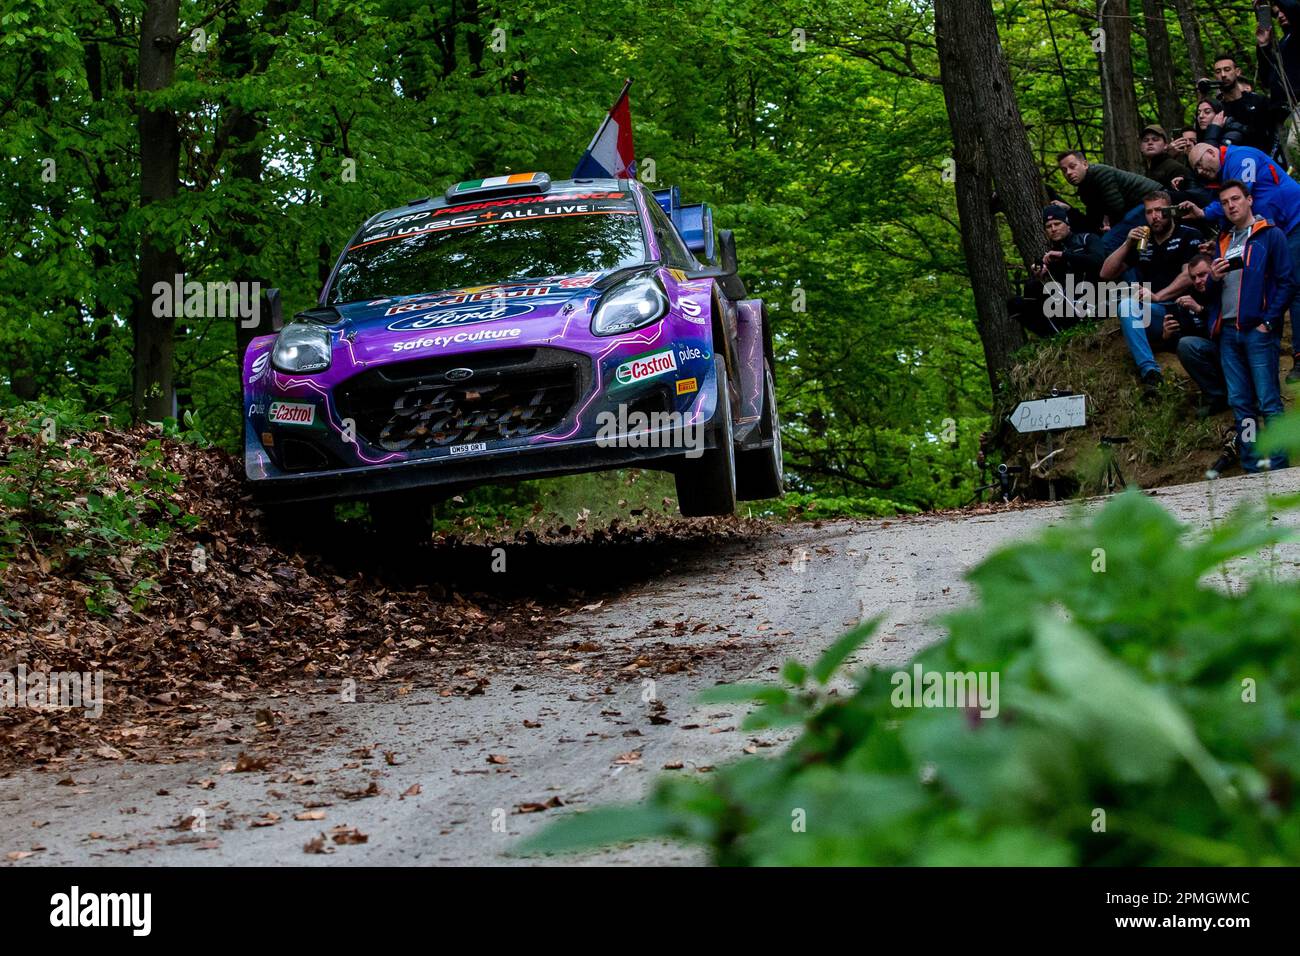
1149	714
798	505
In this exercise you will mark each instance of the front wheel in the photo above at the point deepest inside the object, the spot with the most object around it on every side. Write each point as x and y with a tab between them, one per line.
761	473
706	485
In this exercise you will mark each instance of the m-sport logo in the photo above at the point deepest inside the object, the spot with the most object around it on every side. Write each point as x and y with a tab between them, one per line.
74	909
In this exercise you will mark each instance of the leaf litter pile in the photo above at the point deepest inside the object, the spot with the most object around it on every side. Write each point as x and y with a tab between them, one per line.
216	609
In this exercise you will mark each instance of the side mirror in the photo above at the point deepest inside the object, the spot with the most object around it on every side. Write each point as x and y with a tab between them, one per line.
727	252
729	281
275	308
270	318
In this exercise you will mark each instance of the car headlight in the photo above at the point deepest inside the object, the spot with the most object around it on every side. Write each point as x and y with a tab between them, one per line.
302	347
630	305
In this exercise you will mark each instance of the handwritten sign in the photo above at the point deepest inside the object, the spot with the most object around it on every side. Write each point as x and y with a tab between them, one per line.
1050	414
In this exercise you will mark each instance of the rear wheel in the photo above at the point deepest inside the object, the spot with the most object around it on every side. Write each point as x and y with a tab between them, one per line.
761	473
706	485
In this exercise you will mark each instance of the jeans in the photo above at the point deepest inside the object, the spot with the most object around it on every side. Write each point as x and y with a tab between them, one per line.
1200	359
1110	241
1142	332
1250	367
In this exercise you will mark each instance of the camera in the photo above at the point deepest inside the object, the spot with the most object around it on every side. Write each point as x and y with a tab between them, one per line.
1205	86
1235	261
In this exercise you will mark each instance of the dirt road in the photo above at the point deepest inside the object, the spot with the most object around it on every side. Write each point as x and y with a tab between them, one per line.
442	766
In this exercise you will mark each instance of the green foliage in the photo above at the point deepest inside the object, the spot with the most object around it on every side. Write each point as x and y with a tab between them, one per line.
1130	681
63	506
815	507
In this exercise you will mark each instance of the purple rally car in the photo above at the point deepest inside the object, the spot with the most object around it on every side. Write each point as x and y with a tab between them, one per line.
515	328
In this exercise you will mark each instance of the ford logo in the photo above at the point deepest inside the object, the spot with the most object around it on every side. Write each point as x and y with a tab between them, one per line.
459	374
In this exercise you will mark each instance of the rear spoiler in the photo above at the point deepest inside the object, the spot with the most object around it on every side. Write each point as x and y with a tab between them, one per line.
694	223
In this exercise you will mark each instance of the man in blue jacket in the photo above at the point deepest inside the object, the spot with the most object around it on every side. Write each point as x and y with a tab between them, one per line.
1276	197
1250	284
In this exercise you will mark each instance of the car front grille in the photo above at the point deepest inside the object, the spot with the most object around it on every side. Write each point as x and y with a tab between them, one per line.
431	403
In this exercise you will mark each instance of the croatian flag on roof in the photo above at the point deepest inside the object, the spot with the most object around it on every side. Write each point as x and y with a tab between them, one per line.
610	154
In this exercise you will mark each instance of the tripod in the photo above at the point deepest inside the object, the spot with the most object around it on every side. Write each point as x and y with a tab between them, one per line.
1112	478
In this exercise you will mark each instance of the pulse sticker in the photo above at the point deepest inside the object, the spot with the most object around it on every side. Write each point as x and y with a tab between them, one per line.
292	413
645	367
687	385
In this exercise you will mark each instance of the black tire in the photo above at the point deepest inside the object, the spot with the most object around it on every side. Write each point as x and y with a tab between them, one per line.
706	486
760	473
402	518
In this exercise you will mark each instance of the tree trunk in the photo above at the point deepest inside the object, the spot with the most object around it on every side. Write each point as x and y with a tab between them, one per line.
958	42
1169	106
978	55
1118	95
1192	37
153	395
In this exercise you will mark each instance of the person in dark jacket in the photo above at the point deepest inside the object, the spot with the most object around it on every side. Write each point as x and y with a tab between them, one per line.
1161	165
1051	302
1112	197
1169	169
1186	325
1157	253
1251	282
1249	109
1216	127
1279	58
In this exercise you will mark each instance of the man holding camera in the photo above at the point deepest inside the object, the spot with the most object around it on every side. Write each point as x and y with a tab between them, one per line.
1251	283
1276	197
1249	109
1158	252
1051	298
1186	325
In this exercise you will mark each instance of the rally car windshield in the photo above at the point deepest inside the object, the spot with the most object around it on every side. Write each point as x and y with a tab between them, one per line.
491	242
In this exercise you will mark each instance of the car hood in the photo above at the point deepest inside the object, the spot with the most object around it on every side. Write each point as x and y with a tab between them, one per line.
527	300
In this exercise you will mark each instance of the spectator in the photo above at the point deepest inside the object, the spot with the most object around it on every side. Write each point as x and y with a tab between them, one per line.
1184	138
1072	262
1157	253
1283	84
1169	169
1161	165
1276	197
1249	109
1250	284
1186	325
1215	127
1112	197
